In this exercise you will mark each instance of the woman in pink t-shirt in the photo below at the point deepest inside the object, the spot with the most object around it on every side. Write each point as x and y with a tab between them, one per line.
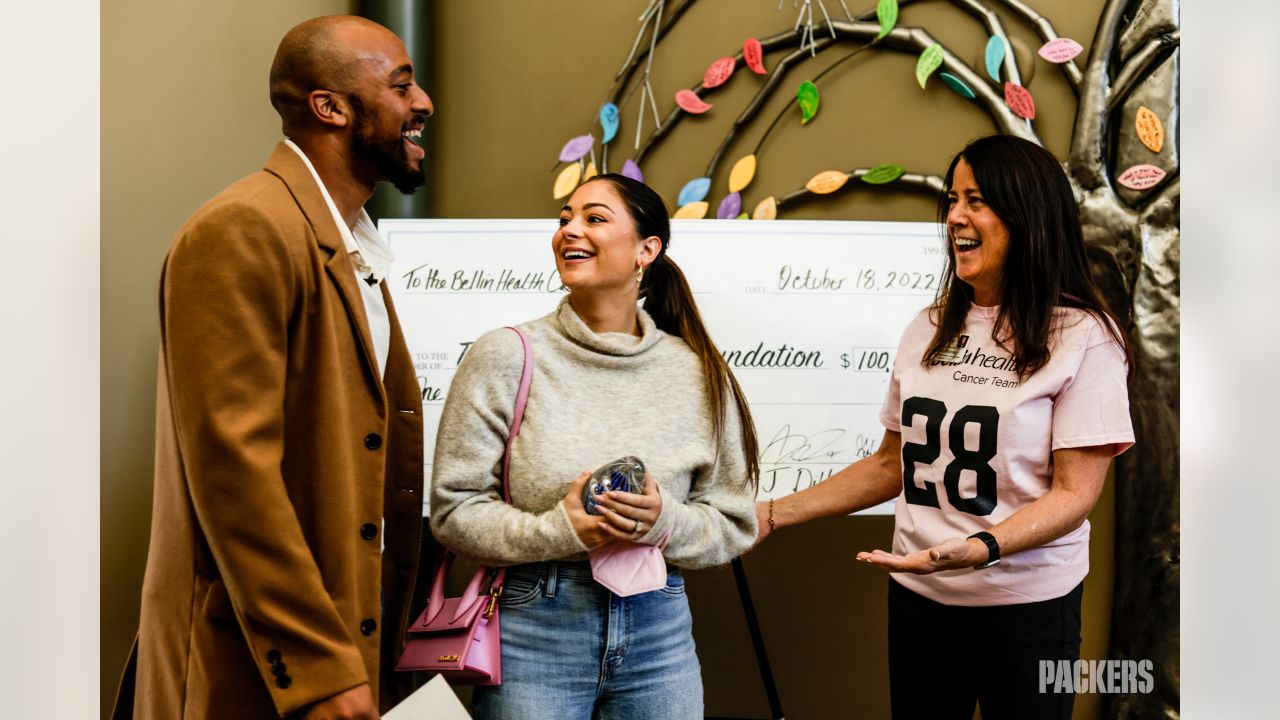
1007	401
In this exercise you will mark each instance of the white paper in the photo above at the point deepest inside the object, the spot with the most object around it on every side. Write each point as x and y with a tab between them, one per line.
433	701
809	314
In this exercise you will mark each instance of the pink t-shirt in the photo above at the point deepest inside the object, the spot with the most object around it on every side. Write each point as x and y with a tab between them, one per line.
977	445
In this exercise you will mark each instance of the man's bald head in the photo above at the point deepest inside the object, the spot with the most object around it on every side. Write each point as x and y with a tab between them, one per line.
321	53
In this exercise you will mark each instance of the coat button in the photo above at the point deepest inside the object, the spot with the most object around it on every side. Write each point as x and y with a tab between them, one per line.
283	682
279	669
368	626
273	656
373	441
368	531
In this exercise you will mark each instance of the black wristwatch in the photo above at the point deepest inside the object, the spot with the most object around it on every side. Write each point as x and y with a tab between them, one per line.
993	550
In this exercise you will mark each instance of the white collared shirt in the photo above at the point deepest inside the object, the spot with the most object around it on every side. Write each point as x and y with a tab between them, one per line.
371	258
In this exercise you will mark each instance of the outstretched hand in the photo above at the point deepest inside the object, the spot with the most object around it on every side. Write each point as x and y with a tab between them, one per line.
950	554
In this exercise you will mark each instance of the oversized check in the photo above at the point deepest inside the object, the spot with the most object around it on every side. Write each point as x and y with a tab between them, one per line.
807	313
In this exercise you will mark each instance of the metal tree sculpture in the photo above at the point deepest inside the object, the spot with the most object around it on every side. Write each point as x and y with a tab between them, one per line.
1131	229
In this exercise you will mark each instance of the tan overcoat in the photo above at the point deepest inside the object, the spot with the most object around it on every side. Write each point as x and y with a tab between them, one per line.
283	463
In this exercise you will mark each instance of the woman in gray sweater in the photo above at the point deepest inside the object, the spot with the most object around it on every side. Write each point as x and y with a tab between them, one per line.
610	380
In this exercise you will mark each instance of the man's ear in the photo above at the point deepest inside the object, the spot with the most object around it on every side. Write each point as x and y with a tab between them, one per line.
329	107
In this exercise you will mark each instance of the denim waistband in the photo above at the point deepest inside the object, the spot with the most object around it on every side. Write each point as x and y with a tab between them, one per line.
566	569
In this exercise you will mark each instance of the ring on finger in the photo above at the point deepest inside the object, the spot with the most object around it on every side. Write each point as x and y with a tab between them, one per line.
639	528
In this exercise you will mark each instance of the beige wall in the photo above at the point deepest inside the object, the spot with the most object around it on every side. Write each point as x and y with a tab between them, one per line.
184	113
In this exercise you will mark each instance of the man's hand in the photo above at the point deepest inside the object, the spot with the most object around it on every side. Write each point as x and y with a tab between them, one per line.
354	704
952	554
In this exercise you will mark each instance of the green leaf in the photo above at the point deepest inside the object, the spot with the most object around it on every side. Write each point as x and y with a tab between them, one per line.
956	84
881	174
929	61
887	12
807	96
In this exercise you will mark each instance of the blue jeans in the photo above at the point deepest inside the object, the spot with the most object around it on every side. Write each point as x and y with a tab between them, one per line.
572	650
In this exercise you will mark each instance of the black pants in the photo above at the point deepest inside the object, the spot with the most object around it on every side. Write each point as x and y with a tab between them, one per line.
944	659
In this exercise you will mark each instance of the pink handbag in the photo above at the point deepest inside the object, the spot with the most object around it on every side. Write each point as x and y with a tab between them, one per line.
460	637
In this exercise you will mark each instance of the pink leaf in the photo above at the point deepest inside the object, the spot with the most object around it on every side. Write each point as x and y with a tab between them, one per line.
691	103
753	55
1141	177
1020	101
719	72
1060	50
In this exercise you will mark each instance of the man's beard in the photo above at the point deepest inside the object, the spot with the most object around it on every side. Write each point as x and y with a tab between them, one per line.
387	155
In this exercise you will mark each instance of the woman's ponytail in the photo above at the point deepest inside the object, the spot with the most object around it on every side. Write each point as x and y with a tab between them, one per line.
669	301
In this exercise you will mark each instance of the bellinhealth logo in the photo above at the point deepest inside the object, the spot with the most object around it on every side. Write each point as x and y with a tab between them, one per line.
1096	676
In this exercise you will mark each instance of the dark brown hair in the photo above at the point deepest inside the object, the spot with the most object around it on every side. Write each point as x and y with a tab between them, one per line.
669	301
1046	265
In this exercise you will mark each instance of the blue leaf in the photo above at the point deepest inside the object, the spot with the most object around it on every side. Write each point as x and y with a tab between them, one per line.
694	190
608	122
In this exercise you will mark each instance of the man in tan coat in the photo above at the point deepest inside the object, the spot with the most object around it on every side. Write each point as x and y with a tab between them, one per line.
288	485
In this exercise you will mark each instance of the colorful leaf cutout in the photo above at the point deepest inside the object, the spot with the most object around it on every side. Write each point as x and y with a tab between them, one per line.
1020	101
567	180
766	209
730	206
1060	50
995	56
826	182
608	122
881	174
1150	129
887	13
743	216
743	172
590	172
957	84
1141	177
632	170
689	102
929	61
719	72
807	96
693	211
576	148
753	55
693	191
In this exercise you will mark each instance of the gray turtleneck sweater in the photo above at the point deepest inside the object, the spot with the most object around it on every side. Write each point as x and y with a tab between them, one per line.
594	398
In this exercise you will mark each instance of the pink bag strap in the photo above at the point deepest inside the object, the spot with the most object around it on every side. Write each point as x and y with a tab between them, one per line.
435	602
522	398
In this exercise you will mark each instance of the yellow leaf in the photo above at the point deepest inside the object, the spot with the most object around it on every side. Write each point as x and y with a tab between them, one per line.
693	211
590	172
826	182
767	209
1150	129
742	173
567	180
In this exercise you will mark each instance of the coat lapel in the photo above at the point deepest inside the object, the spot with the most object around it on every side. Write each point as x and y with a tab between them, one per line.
285	164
